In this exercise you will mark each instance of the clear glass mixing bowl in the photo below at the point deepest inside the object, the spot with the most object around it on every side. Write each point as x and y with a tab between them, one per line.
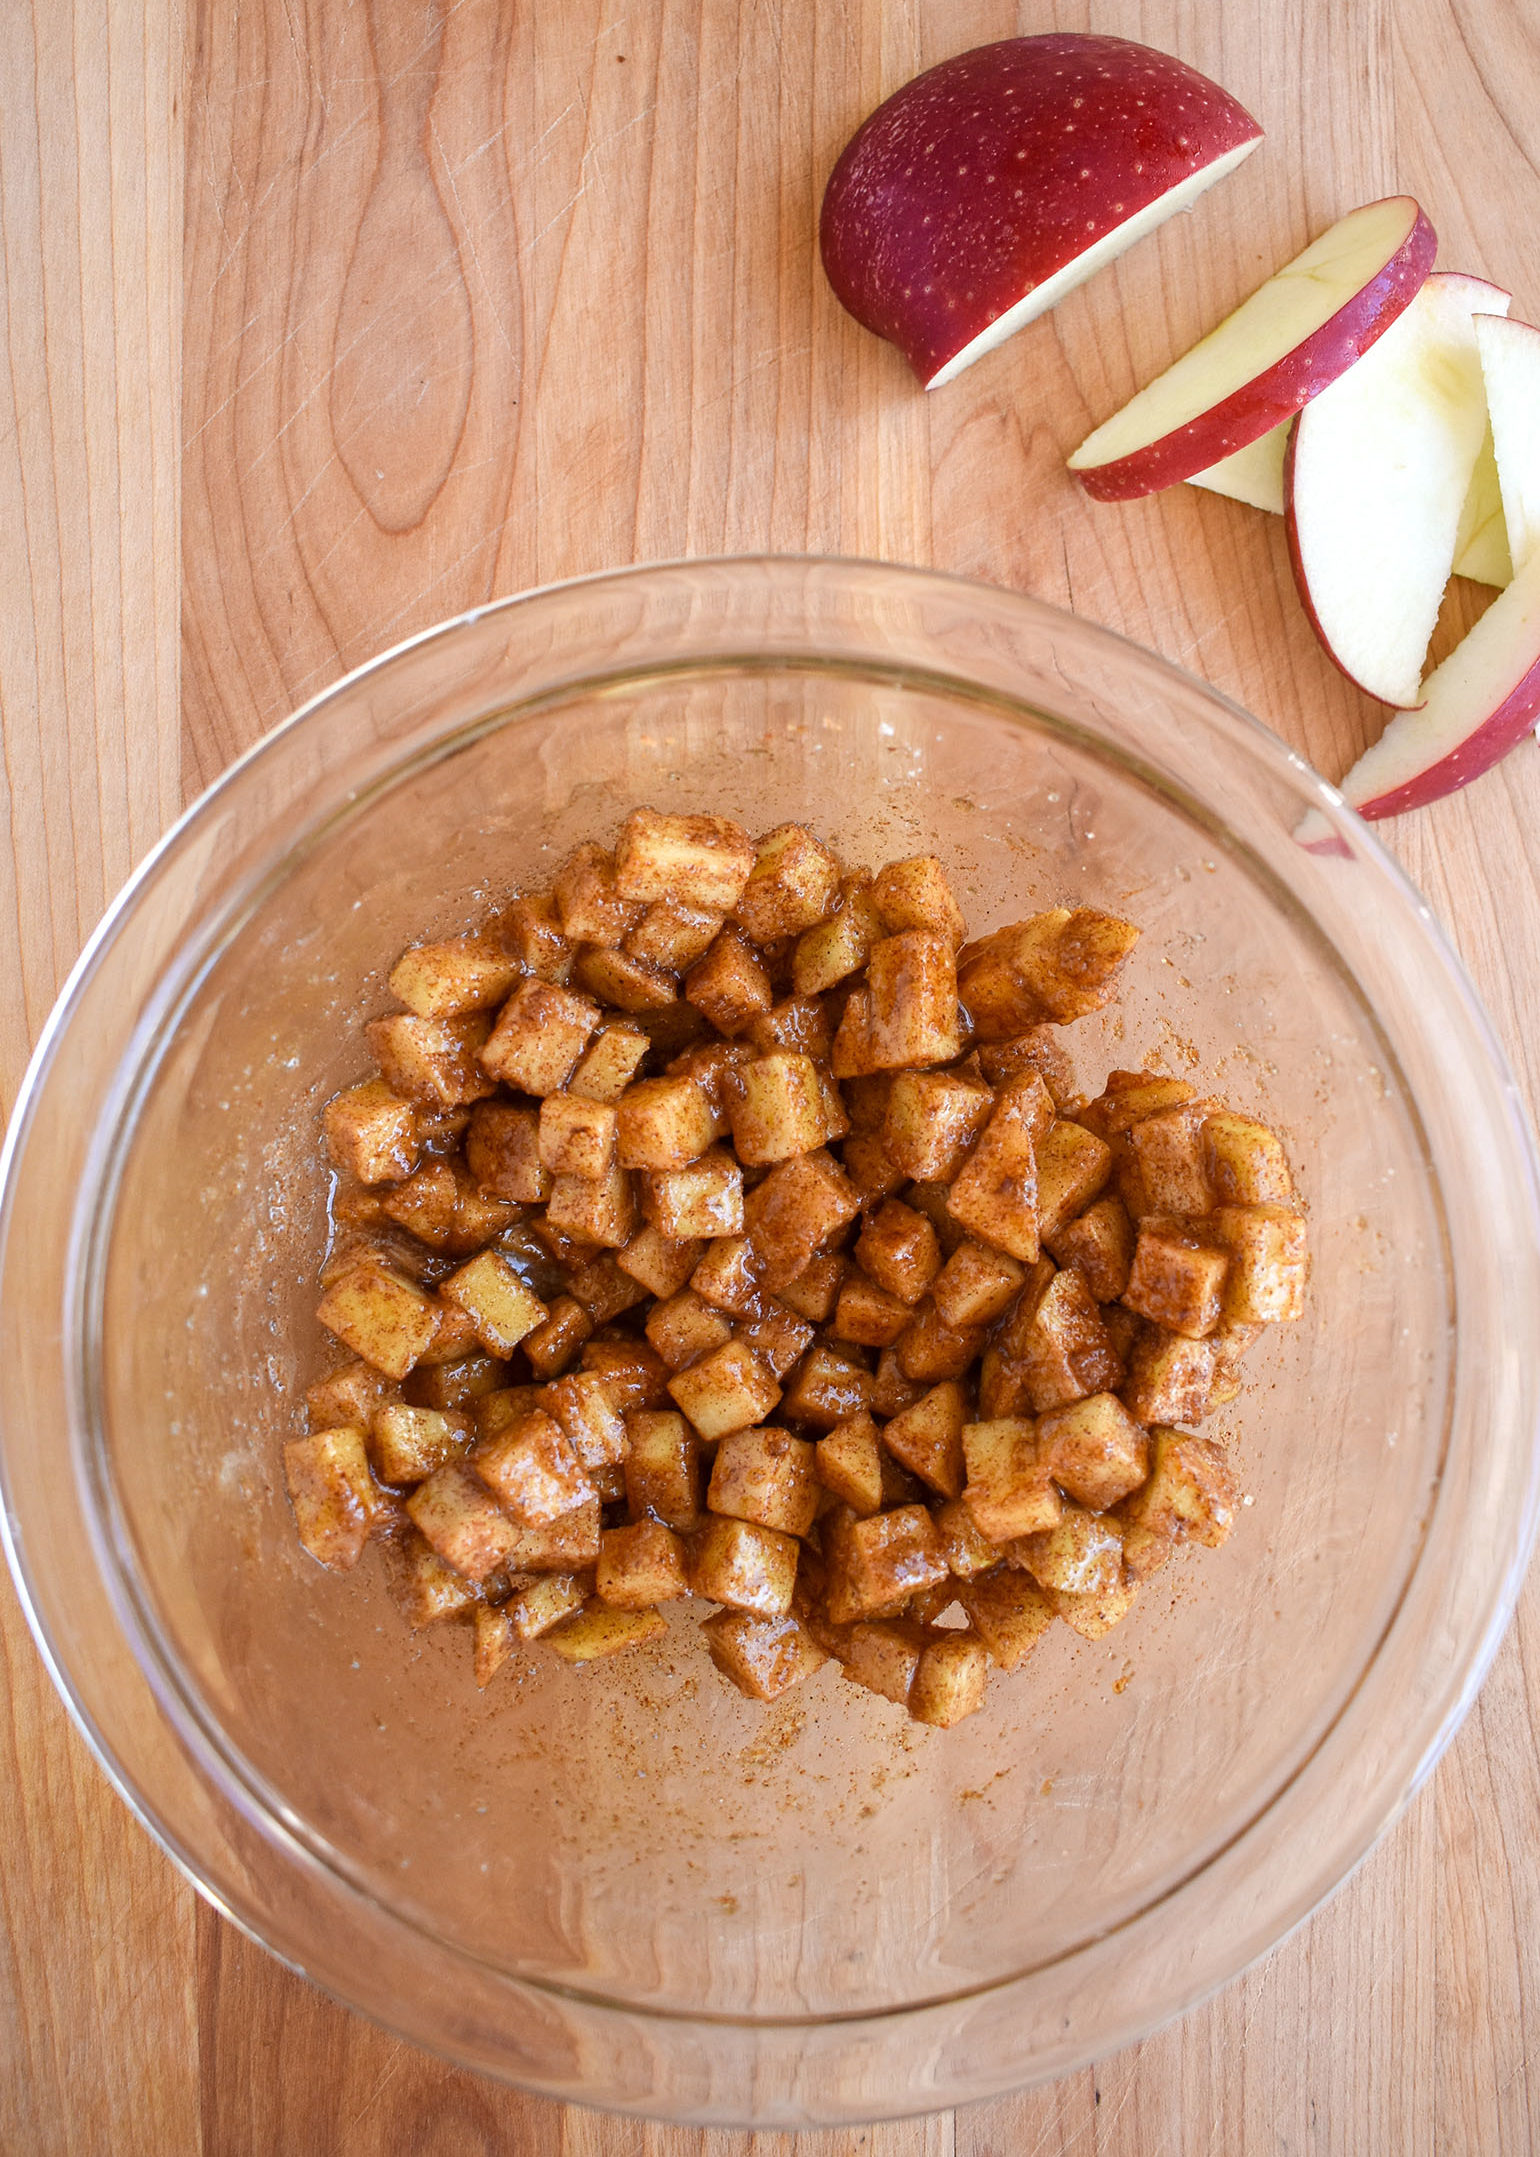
628	1885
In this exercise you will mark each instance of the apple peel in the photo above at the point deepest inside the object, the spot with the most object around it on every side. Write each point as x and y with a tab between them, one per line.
984	190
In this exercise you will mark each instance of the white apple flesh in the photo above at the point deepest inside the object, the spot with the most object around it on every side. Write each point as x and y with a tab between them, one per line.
1310	322
986	189
1510	370
1480	703
1377	473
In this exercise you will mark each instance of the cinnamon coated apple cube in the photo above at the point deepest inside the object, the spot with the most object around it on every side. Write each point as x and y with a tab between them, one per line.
662	1468
532	1470
839	946
702	1198
889	1392
1009	1612
873	1173
332	1493
554	1345
502	1152
446	980
493	1412
454	1340
639	1566
531	932
848	1461
829	1386
763	1657
583	1403
836	1123
879	1562
599	1632
544	1602
899	1250
1009	1490
1094	1450
928	1437
797	1022
883	1654
1073	1165
1170	1378
765	1475
815	1291
427	1590
929	1349
568	1544
600	1210
540	1033
1173	1160
499	1305
631	985
436	1062
672	937
426	1204
1002	1386
912	983
1269	1262
1189	1496
851	1056
457	1514
729	986
699	861
351	1394
968	1553
794	883
664	1123
1038	1049
494	1639
602	1289
713	1066
634	1374
659	1264
798	1209
1082	1553
1065	1352
976	1286
379	1314
1177	1279
610	1062
1059	965
1129	1096
685	1327
577	1137
592	910
726	1391
1093	1614
1246	1161
744	1566
408	1444
727	1276
1099	1244
994	1195
777	1111
915	894
777	1336
867	1314
950	1680
371	1133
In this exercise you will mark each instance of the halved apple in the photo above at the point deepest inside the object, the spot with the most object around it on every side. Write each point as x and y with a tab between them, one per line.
1255	475
1307	325
1476	706
1377	472
986	189
1510	370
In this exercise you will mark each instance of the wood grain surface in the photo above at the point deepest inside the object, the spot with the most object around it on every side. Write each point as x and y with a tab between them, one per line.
471	294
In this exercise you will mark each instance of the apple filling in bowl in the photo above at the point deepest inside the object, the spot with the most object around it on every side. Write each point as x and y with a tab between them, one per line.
723	1223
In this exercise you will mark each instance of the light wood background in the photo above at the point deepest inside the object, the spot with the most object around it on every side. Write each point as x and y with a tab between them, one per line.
325	318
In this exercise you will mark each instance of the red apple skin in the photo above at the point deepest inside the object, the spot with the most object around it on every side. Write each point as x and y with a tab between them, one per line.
986	175
1501	731
1260	404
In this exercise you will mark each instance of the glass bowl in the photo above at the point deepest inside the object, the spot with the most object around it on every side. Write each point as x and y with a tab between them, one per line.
628	1885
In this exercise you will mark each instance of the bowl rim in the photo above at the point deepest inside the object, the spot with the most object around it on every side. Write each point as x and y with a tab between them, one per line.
1260	742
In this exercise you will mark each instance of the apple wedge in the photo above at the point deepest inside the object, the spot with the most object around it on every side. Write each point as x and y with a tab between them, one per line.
1476	706
1307	325
1254	475
1378	469
986	189
1510	369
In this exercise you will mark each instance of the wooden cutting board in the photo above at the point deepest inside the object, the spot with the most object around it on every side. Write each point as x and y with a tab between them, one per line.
327	318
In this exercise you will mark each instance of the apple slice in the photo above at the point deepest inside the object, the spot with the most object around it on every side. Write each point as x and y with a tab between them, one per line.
1510	369
1476	706
1378	468
1254	475
1299	331
986	189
